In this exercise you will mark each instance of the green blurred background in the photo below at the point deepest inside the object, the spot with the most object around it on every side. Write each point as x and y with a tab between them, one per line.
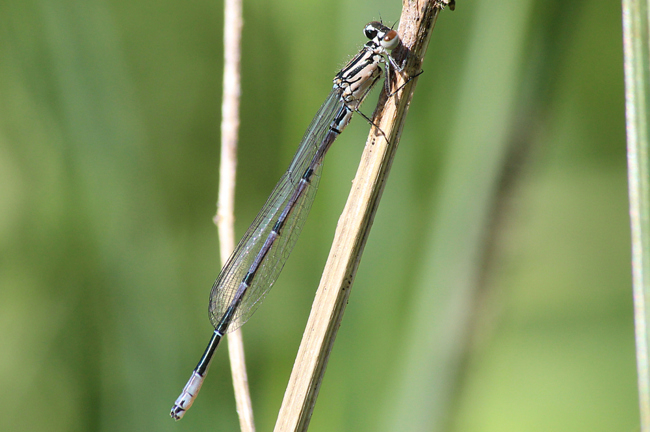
494	292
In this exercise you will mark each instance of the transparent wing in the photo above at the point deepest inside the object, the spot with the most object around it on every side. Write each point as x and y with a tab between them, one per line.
226	285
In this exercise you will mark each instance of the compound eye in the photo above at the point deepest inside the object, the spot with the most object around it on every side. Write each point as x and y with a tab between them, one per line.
390	40
371	30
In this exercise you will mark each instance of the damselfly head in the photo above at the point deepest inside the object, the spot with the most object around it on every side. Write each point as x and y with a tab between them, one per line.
386	37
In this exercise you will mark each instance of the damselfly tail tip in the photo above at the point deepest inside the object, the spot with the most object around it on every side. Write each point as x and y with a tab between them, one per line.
186	399
177	412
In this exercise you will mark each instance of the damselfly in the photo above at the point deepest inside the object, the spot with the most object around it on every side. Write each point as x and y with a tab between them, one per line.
260	255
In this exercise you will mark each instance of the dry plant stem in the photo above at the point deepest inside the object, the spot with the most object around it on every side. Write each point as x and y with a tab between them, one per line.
225	218
417	20
637	105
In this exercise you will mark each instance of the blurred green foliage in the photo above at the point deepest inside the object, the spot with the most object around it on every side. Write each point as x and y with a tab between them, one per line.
494	292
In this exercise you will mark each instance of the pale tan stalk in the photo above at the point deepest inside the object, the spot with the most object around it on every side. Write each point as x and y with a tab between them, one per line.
225	217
